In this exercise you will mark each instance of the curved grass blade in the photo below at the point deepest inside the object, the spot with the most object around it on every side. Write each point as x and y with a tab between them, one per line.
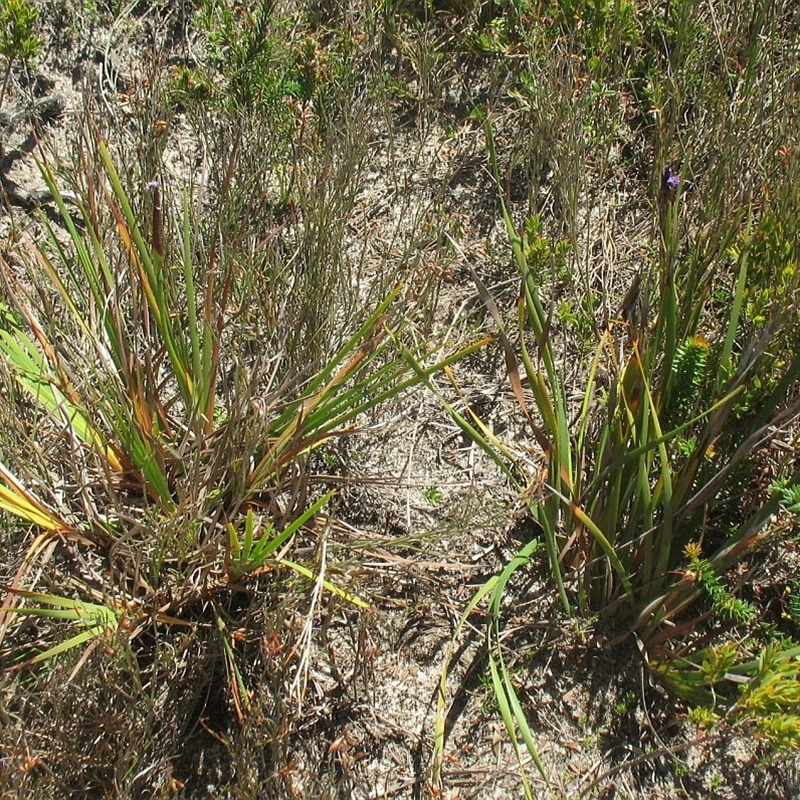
441	699
97	620
511	710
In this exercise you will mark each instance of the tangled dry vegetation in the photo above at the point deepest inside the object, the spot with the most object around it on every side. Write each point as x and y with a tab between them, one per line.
399	399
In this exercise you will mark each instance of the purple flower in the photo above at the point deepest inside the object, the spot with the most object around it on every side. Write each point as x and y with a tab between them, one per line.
670	180
151	186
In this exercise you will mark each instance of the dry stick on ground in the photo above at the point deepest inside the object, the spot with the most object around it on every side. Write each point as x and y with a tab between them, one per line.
703	738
